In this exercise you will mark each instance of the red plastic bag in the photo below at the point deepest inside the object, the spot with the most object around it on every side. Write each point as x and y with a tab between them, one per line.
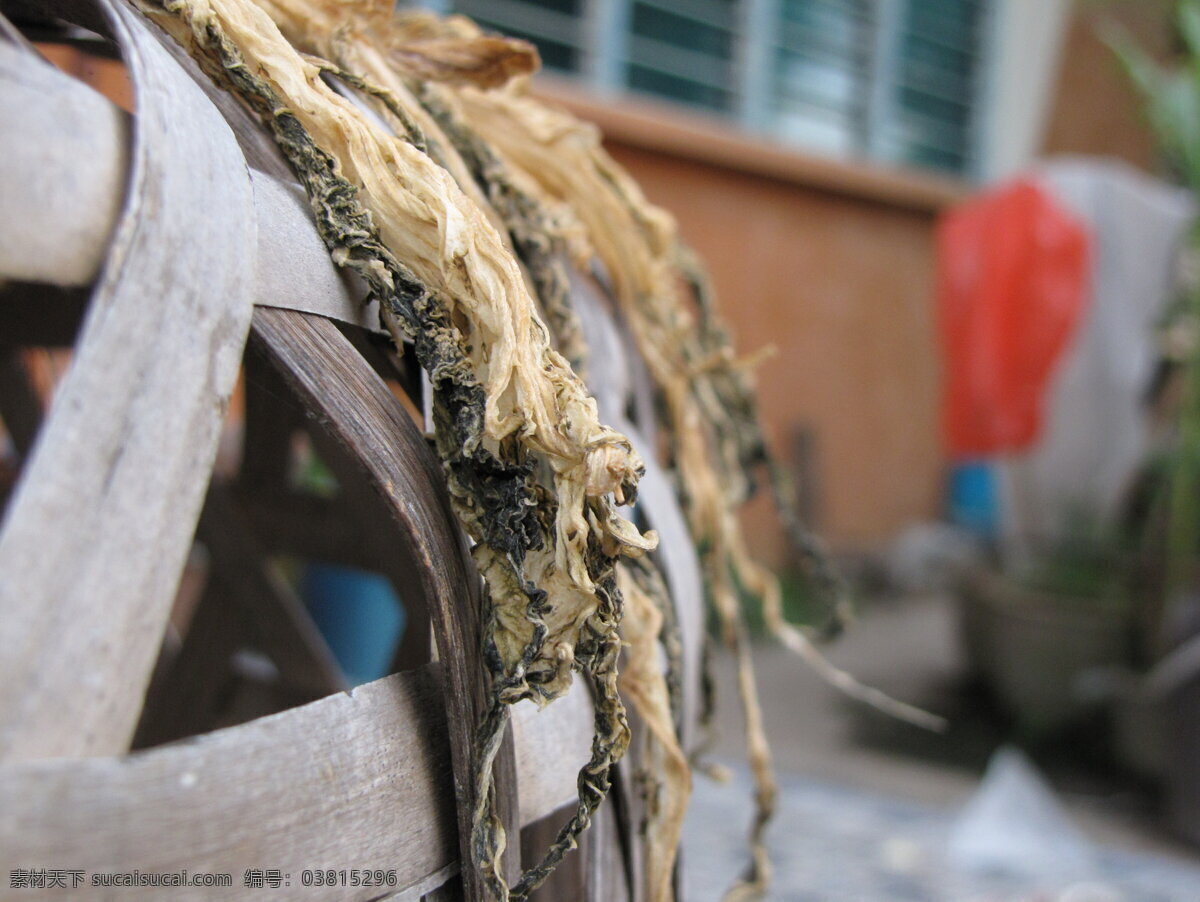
1012	282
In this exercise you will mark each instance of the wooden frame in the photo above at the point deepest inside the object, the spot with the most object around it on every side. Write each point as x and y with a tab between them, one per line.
117	481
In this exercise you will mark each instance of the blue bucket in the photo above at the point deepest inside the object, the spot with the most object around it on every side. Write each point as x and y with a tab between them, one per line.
360	616
972	501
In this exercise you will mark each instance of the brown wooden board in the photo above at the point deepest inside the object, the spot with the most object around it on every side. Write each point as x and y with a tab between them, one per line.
74	183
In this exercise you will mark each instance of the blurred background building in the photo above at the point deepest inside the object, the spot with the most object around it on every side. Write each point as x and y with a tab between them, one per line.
806	148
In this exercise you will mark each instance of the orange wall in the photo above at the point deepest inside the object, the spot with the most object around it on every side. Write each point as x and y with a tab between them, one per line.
1095	110
105	75
841	286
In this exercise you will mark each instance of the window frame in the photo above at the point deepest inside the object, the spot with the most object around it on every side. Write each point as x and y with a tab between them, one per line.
604	59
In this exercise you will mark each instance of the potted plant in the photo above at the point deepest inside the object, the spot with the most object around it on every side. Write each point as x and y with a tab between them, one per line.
1171	94
1107	596
1043	636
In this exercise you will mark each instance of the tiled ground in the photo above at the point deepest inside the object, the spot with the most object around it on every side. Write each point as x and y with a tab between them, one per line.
831	843
867	804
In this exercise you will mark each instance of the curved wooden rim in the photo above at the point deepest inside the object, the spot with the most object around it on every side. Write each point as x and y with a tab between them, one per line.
361	414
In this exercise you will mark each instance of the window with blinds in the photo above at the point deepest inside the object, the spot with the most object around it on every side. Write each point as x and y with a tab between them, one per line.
899	81
938	83
557	27
822	66
684	50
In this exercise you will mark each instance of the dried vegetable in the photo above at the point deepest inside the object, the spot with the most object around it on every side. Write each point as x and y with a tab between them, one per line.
462	201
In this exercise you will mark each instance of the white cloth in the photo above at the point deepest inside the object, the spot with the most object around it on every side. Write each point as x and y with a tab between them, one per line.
1095	431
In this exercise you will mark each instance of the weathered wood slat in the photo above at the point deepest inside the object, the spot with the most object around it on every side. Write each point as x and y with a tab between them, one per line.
357	410
627	812
96	534
355	780
608	877
65	158
570	877
554	741
292	267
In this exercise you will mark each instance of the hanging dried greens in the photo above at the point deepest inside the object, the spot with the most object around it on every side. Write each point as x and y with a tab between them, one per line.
533	474
462	202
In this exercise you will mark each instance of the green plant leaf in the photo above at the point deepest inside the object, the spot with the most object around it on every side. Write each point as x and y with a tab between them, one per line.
1188	17
1142	70
1175	115
1171	95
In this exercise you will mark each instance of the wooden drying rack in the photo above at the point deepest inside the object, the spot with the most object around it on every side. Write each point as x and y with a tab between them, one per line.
176	272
